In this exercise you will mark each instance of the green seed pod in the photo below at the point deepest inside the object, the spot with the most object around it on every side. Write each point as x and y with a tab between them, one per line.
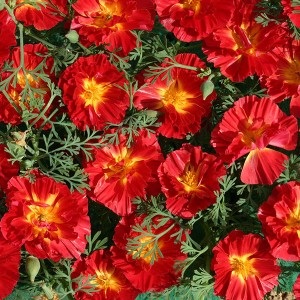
207	88
32	267
72	36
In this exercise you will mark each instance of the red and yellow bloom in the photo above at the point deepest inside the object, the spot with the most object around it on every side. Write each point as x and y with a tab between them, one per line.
244	267
192	20
43	15
41	215
244	47
153	272
118	173
280	218
250	126
7	33
178	101
90	94
291	9
10	256
296	288
285	81
7	169
108	280
109	22
11	111
189	178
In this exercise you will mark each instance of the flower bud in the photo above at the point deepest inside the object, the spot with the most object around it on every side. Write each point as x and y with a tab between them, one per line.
72	36
32	267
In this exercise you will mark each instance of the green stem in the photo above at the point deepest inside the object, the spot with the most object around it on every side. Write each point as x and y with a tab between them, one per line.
11	12
12	102
45	270
49	45
21	30
86	50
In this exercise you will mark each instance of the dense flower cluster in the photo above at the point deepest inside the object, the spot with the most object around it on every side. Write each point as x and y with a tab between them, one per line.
149	146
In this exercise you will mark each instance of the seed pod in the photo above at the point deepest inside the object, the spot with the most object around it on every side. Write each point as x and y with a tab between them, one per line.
72	36
32	267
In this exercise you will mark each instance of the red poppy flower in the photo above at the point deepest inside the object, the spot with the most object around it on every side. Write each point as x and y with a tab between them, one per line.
90	93
10	257
12	113
285	81
244	267
244	47
292	11
179	100
280	218
109	22
296	288
118	173
42	215
189	178
192	20
99	273
250	126
7	33
43	15
153	272
7	169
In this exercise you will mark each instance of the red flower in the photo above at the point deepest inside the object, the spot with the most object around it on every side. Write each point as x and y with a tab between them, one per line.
244	47
7	33
280	218
296	288
118	173
153	272
245	269
285	82
110	21
292	11
12	113
42	215
189	178
90	93
249	127
43	15
192	20
179	101
109	280
10	257
7	169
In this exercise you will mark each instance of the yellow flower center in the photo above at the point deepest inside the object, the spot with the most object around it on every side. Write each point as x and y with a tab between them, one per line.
191	4
251	135
105	14
105	280
291	74
242	266
22	81
44	217
94	92
246	39
121	165
293	221
175	96
190	179
147	250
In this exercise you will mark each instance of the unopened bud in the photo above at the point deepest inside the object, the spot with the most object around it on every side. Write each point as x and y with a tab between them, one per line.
32	267
72	36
